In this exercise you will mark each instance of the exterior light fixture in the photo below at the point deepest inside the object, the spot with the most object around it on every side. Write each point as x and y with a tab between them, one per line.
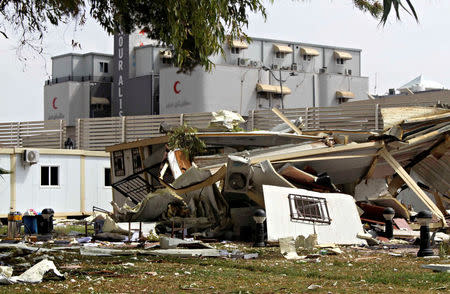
424	218
388	215
259	216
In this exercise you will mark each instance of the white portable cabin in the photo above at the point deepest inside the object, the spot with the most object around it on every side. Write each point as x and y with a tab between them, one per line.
69	181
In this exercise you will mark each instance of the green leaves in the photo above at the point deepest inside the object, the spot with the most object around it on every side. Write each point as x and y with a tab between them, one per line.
186	139
194	29
397	4
382	11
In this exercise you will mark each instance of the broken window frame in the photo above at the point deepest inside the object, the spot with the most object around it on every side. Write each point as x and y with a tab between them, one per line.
309	209
135	186
119	163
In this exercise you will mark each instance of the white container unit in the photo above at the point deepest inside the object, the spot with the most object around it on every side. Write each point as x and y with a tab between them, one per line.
70	182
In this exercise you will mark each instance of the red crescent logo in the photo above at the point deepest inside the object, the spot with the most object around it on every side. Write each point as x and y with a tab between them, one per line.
54	103
175	89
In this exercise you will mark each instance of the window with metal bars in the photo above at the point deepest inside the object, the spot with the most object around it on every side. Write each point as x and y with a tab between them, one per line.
309	209
137	162
119	164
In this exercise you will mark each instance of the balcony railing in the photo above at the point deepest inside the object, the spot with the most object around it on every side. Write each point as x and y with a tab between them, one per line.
98	79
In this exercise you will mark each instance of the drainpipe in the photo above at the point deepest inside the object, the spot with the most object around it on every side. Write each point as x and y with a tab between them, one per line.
314	90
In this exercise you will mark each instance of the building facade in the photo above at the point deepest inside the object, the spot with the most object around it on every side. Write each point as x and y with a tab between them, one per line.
257	75
261	74
80	87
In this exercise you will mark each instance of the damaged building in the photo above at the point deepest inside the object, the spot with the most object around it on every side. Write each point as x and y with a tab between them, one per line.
321	181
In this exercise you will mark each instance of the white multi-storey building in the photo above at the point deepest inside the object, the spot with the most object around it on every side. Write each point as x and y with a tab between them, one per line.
260	74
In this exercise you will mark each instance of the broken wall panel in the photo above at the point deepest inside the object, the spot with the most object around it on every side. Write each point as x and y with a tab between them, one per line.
344	224
435	172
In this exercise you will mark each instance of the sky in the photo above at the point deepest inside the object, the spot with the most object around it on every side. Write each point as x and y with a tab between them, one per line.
392	54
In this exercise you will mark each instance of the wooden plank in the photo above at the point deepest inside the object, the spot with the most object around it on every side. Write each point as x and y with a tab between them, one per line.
412	185
287	121
219	175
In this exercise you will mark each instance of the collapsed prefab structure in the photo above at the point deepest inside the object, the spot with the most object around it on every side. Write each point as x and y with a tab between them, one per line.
216	194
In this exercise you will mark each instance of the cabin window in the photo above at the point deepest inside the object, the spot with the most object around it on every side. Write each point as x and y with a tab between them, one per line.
277	96
263	95
340	60
309	209
50	176
307	57
107	177
280	54
119	164
137	163
235	50
104	67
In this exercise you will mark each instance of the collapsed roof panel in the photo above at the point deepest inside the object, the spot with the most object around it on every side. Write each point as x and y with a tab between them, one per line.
435	172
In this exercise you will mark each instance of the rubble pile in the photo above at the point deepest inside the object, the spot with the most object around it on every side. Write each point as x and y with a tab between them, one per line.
316	181
312	193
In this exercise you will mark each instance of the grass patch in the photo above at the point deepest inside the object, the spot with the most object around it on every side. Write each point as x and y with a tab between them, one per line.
270	273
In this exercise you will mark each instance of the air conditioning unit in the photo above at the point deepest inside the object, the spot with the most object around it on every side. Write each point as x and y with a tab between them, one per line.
275	66
30	156
238	175
243	61
323	70
254	63
294	66
348	72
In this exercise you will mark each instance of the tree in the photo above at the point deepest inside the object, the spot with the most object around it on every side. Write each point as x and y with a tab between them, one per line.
195	29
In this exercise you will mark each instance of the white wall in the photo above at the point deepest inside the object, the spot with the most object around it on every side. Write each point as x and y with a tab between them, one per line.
345	222
352	64
224	86
330	83
30	193
64	198
57	101
202	91
97	194
62	66
72	101
5	187
96	68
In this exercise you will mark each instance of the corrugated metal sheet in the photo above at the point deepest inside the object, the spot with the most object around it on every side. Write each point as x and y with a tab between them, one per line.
435	172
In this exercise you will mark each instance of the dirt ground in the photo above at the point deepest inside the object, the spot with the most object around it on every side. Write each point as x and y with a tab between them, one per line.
357	270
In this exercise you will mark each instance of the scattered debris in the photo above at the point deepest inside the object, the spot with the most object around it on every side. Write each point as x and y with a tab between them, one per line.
438	267
287	248
35	274
314	287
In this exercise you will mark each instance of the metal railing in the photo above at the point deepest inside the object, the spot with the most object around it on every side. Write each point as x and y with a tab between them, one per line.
98	79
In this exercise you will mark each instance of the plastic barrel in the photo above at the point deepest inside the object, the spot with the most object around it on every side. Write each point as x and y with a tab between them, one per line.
45	221
30	223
